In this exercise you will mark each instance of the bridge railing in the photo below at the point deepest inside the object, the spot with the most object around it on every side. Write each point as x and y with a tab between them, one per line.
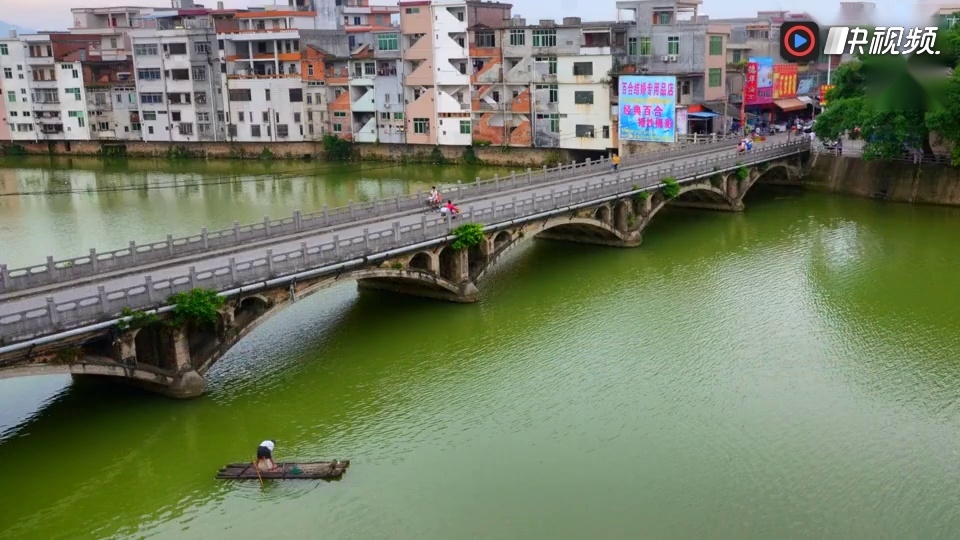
95	263
150	294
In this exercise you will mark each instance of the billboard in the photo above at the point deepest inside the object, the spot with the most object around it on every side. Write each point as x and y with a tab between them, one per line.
750	86
681	121
648	108
764	80
784	81
824	88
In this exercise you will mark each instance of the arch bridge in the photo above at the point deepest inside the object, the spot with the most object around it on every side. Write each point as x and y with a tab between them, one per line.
414	255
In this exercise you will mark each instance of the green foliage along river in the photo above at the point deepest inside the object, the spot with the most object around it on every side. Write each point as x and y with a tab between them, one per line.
788	372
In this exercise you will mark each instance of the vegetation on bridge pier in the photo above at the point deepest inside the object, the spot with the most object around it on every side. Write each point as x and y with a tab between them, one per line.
198	306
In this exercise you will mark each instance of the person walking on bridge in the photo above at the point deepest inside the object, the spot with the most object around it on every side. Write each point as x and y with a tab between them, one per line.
615	160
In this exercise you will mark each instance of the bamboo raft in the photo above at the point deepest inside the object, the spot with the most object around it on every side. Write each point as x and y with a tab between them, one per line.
322	470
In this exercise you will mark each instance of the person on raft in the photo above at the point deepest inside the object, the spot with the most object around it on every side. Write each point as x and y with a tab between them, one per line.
265	456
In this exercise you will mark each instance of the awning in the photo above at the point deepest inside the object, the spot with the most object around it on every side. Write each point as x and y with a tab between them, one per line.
806	100
702	114
791	104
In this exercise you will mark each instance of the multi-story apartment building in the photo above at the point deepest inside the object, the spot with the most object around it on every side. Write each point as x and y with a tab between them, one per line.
436	57
546	85
109	82
15	84
44	86
671	38
178	74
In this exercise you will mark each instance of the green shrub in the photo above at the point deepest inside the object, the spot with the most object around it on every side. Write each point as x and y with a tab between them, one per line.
470	157
197	307
398	266
716	180
138	319
337	149
743	173
266	153
468	235
436	156
642	196
670	187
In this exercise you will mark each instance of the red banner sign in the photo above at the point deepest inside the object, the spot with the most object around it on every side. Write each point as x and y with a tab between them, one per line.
824	88
784	81
750	85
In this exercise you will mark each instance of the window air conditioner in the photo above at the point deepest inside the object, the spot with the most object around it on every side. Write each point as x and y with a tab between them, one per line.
665	58
673	58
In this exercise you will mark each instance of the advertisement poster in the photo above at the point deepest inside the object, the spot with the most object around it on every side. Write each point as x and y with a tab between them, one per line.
764	93
823	93
681	121
648	108
784	81
750	86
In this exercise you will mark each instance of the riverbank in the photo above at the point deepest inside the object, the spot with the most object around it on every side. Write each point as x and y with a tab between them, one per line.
897	181
497	156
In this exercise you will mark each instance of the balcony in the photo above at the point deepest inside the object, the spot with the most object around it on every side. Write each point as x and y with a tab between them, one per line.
337	76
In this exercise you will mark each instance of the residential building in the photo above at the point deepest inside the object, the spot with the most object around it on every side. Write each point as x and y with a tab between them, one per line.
672	38
15	84
178	76
438	73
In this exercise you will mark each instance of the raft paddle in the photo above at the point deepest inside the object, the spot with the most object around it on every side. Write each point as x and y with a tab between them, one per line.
254	463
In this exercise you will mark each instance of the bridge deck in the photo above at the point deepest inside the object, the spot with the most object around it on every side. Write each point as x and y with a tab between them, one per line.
36	299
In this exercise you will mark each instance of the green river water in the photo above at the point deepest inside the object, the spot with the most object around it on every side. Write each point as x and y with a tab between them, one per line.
788	372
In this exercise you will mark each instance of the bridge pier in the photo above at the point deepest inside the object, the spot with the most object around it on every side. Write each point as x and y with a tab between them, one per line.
187	383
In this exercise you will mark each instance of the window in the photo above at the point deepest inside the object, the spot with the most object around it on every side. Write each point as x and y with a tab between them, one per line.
716	45
464	127
145	50
200	98
339	114
75	92
385	116
339	127
544	38
584	131
113	43
7	73
134	126
185	128
103	126
485	39
175	116
554	92
673	45
553	121
632	46
179	74
78	115
255	130
149	116
178	98
264	115
551	62
737	56
149	74
151	97
716	78
356	21
201	47
661	17
685	88
296	117
421	125
76	74
296	95
282	131
388	42
203	117
309	99
606	132
199	73
646	49
413	11
175	48
310	70
266	94
583	97
3	49
150	130
240	95
203	129
518	38
14	113
398	116
582	69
